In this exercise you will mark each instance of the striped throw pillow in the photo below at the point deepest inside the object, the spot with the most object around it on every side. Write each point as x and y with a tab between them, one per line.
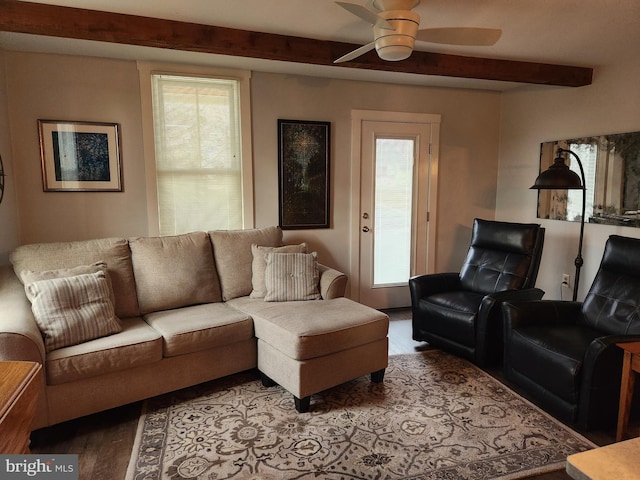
291	276
29	276
73	310
259	265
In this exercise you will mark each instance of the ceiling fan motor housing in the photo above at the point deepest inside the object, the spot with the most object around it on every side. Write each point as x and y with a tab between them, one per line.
395	45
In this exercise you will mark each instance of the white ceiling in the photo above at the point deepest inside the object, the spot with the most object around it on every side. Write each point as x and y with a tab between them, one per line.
586	33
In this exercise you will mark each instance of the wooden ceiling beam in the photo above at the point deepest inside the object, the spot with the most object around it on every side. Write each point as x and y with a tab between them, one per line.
84	24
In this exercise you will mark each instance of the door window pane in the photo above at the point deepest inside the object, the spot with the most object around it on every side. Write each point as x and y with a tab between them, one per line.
393	210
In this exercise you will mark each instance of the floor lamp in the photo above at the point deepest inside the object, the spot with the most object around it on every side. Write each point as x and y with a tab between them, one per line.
560	177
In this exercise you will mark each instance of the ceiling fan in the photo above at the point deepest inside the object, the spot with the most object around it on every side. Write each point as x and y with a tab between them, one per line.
395	29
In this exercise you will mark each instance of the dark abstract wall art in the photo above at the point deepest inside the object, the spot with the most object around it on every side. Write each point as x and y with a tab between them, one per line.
303	174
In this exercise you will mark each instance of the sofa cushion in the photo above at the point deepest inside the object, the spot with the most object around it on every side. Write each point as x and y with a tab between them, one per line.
191	329
232	251
29	276
305	330
173	272
72	310
259	265
112	251
137	344
291	277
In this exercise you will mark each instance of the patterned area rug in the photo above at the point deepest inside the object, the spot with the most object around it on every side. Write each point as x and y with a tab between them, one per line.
436	416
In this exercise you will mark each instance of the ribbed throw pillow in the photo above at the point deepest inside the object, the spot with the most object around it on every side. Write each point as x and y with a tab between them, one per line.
259	265
29	276
73	310
291	276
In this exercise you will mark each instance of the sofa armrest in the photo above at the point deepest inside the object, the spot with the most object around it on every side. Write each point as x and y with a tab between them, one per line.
333	284
20	338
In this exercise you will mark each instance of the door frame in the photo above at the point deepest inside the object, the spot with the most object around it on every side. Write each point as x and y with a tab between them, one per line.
357	118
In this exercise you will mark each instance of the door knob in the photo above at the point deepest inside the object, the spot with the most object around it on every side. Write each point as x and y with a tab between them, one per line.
365	229
365	215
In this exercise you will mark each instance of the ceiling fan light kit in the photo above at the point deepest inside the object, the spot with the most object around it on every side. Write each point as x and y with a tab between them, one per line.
395	4
395	30
397	44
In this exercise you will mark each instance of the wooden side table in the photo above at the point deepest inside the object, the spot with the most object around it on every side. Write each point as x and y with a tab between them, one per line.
630	366
18	399
618	461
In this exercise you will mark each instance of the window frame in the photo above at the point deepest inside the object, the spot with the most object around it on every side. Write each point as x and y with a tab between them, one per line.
145	71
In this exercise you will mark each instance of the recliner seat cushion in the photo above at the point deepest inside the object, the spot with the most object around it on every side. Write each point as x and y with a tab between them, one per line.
552	356
452	315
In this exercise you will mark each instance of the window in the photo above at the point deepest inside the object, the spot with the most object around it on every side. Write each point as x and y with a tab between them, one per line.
201	179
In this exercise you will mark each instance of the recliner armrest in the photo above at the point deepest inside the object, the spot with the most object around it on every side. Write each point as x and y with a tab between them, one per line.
600	344
424	285
496	298
491	306
540	312
489	329
600	380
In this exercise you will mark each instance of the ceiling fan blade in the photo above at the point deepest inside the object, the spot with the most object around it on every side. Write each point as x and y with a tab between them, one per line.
356	53
483	37
365	14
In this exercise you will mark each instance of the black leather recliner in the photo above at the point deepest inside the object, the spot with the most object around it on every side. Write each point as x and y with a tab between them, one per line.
460	312
564	354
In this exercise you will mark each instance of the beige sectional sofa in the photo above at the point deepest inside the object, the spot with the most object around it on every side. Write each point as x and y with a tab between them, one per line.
171	298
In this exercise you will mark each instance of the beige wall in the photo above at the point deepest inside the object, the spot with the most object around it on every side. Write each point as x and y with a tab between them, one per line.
468	152
59	87
78	88
531	116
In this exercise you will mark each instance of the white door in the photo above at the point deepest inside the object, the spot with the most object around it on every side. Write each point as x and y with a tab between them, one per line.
395	172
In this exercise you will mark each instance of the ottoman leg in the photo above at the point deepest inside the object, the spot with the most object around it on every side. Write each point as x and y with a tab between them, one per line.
377	376
266	381
302	404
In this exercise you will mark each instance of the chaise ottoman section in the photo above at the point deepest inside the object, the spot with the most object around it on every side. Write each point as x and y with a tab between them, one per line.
310	346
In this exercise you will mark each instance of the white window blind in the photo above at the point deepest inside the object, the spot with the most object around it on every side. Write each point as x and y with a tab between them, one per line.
198	153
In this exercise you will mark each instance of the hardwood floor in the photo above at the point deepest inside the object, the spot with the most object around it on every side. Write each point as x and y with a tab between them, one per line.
104	441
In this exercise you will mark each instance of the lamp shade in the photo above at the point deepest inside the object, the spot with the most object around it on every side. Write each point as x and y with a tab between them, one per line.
558	177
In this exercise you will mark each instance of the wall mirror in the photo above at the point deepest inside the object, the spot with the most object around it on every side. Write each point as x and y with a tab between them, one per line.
612	173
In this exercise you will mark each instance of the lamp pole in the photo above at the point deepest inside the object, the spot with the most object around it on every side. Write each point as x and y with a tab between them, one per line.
578	261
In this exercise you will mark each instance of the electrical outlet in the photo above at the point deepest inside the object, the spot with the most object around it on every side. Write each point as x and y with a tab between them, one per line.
566	280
